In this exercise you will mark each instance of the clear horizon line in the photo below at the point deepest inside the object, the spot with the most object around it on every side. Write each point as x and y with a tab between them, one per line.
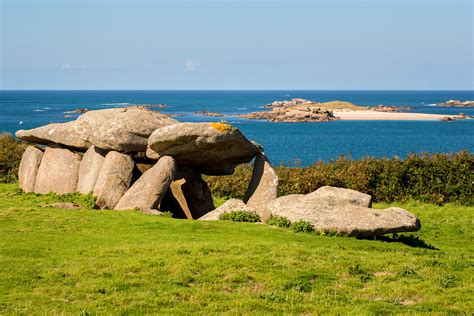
236	90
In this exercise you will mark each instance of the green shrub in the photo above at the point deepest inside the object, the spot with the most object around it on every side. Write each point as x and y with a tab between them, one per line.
435	178
279	221
240	216
11	151
302	227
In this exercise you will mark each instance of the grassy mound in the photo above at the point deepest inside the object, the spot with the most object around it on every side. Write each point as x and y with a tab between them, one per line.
89	261
341	105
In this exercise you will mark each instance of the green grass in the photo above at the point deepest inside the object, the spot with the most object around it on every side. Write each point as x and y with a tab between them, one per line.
122	262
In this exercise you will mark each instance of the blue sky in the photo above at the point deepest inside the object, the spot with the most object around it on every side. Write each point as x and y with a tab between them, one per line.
263	44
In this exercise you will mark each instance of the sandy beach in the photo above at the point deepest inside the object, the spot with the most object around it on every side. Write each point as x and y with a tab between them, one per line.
387	116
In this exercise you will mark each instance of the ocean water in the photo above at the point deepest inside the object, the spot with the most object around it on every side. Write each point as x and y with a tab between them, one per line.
284	143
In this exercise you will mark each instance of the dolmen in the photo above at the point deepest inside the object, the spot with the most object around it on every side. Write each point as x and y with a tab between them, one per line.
135	158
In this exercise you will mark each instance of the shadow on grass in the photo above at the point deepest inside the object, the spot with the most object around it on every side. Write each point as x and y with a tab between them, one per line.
409	240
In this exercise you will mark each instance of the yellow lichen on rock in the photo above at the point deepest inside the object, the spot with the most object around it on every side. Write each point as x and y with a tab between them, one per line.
222	127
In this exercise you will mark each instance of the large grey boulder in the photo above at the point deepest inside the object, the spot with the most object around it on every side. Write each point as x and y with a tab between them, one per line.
191	193
29	165
89	169
263	186
148	191
228	206
120	129
338	196
208	148
113	180
58	171
344	218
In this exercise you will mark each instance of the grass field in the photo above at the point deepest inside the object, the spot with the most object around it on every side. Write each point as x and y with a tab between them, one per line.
122	262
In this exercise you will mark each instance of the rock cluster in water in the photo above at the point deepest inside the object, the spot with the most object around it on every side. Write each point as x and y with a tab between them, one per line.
457	103
133	158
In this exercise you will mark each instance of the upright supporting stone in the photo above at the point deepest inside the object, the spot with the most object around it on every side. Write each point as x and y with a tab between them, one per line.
263	186
192	193
58	171
29	165
113	180
148	191
89	169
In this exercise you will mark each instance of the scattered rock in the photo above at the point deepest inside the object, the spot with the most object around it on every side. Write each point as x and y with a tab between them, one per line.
29	165
113	180
208	148
209	113
229	206
120	129
263	186
58	171
192	193
64	205
148	191
76	111
341	217
447	119
89	169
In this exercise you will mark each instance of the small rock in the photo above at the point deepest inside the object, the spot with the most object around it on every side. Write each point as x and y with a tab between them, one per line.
64	205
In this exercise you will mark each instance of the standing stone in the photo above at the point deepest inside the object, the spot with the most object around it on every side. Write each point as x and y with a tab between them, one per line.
114	179
192	193
263	186
30	162
89	169
148	191
58	171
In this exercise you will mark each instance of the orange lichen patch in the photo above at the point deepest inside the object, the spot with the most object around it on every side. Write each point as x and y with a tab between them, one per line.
222	127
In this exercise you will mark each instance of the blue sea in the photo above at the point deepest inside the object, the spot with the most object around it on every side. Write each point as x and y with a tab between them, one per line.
284	143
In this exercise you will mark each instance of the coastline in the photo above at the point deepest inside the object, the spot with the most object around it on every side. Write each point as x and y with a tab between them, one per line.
389	116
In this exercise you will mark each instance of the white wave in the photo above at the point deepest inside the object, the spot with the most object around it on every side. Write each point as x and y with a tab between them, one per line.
122	103
241	109
46	108
37	110
432	104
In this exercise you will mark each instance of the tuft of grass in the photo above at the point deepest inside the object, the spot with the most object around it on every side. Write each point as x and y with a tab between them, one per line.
55	261
279	221
302	226
240	216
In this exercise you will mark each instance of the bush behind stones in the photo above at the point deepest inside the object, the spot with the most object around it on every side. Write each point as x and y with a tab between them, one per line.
11	151
432	178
